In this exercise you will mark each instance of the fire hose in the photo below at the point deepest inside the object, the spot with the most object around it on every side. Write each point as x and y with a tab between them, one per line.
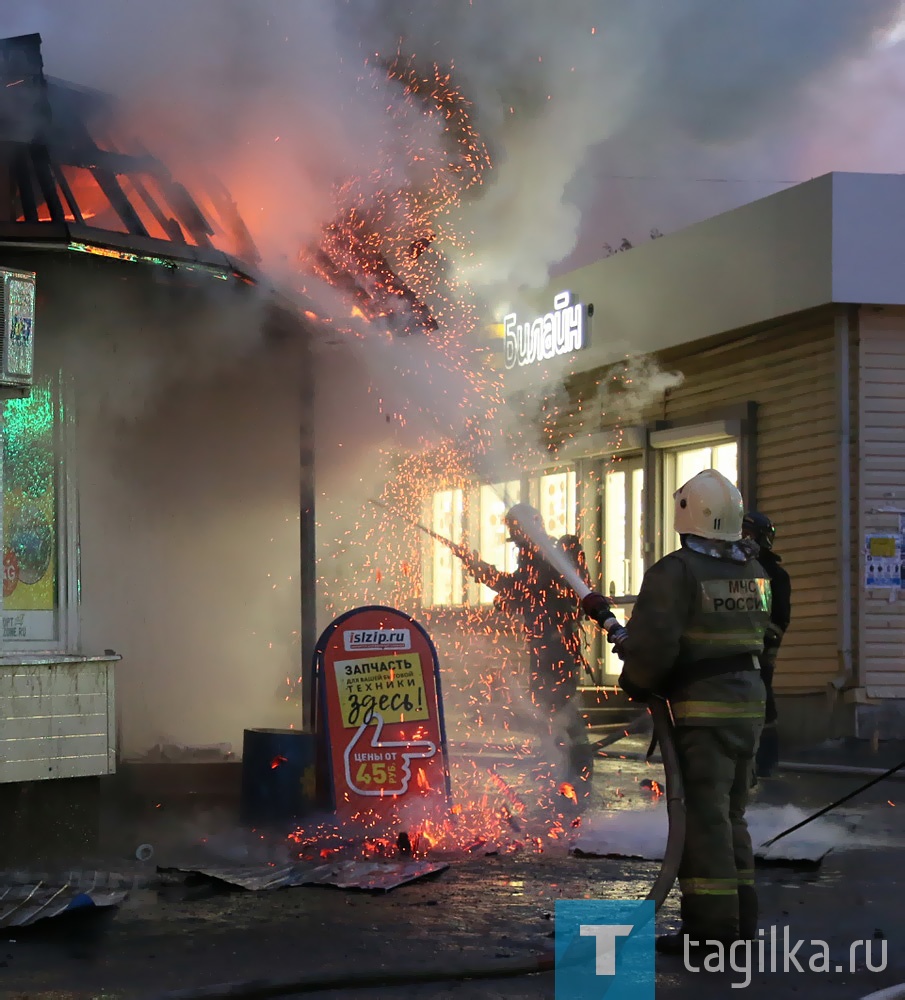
498	969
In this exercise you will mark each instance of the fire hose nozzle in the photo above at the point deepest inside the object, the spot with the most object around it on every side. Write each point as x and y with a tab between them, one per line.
599	609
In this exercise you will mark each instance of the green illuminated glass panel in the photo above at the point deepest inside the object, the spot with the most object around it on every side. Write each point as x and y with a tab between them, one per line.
30	572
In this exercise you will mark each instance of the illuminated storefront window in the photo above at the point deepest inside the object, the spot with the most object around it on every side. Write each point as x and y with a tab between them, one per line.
447	580
622	541
30	556
494	545
476	517
557	503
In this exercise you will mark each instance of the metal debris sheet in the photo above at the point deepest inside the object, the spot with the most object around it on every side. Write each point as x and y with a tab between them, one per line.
26	897
251	877
371	875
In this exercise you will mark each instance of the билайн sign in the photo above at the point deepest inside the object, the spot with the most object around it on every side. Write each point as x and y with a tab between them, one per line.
561	331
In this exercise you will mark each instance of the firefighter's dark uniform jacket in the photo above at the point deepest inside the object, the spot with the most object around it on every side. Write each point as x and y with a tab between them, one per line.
549	608
551	612
780	617
695	636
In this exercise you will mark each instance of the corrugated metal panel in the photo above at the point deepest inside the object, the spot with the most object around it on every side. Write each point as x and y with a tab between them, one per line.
373	875
790	371
882	463
56	720
26	897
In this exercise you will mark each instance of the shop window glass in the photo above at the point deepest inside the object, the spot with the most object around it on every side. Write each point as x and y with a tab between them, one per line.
494	545
447	581
30	534
622	535
636	532
614	540
623	528
557	503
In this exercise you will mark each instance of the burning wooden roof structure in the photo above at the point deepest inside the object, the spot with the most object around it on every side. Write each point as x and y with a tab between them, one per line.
70	180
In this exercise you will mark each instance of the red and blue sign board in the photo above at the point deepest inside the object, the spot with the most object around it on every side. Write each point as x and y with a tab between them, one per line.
378	679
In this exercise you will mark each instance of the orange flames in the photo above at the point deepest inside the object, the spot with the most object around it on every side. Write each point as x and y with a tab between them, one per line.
568	791
381	248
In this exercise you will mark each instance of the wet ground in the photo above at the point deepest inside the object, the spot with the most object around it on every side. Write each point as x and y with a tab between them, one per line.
482	911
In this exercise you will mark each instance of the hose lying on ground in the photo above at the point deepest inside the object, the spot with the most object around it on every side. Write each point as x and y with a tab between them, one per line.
455	971
836	804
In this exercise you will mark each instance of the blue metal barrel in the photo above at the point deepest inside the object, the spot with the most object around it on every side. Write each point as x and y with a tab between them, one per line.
279	776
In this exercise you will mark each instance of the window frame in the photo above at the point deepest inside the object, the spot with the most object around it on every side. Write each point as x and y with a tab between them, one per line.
737	423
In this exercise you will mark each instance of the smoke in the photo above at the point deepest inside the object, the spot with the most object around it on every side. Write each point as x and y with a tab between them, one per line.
285	102
277	98
642	833
185	447
551	82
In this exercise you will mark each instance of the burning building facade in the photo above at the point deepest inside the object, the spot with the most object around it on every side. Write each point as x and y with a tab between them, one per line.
766	343
151	478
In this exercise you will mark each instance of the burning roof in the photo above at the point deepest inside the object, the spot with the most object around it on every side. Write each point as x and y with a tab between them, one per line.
67	172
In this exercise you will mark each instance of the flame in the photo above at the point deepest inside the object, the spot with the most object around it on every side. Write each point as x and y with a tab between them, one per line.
277	761
568	791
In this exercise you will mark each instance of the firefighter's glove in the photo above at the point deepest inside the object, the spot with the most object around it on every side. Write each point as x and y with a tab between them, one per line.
596	607
634	691
616	637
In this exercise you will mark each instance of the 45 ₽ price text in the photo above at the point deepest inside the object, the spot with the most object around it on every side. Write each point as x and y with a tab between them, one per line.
379	773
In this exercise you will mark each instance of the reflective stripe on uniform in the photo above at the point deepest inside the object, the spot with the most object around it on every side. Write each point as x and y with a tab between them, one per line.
747	641
719	709
708	886
746	876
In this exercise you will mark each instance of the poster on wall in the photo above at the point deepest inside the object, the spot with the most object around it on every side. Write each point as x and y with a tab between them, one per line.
378	680
882	562
902	551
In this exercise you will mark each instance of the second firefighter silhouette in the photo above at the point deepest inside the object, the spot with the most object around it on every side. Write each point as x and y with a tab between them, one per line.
552	614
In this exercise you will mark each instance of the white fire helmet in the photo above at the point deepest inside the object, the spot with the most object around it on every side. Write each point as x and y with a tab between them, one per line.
709	506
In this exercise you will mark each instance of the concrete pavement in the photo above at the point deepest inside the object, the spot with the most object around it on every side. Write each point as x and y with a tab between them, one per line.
483	909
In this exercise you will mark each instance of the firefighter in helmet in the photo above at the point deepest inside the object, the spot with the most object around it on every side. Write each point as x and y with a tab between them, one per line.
762	530
551	613
695	638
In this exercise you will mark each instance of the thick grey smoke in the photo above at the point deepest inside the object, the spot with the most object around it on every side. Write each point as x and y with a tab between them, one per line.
283	101
552	81
277	99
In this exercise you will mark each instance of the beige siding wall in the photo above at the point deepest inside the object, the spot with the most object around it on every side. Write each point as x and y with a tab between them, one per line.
790	373
882	467
789	370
